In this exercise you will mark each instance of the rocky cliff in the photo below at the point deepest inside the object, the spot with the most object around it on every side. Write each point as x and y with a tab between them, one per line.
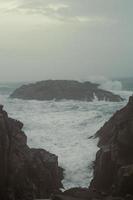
25	173
113	172
63	89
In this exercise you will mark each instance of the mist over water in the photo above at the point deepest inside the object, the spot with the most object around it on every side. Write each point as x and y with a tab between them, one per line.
64	128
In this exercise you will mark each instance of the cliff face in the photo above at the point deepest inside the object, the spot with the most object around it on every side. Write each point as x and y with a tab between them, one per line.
113	172
63	89
24	173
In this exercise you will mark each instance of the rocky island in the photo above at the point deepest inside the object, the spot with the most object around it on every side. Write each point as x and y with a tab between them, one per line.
64	89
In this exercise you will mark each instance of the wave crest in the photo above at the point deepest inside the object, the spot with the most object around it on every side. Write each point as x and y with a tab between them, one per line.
106	83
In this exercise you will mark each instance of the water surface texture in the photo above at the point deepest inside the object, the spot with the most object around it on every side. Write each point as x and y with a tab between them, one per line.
63	128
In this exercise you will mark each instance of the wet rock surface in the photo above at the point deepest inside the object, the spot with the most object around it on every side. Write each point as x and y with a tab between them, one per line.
113	167
24	173
64	89
113	171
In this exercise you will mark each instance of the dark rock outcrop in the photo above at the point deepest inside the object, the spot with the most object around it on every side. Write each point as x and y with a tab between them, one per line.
63	89
79	194
86	194
113	171
24	173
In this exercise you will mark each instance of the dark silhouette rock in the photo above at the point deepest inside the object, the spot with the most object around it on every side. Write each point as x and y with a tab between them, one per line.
24	173
65	197
64	89
113	171
82	193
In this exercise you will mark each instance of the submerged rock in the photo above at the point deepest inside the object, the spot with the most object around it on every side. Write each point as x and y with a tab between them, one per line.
25	173
64	89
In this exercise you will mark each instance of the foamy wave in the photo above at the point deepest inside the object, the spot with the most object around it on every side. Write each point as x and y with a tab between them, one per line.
111	85
106	83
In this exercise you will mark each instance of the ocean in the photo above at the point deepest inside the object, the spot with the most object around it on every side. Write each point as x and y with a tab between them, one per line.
64	128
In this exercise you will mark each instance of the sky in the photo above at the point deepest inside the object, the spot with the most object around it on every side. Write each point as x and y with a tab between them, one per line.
65	39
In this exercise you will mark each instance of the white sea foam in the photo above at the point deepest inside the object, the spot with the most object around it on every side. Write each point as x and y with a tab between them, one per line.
106	83
64	128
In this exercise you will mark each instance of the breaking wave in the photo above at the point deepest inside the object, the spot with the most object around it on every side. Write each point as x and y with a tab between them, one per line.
106	83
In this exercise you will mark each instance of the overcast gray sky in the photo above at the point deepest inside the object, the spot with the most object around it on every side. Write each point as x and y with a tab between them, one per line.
65	39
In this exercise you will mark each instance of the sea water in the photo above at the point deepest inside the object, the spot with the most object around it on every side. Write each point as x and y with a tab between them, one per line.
63	128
